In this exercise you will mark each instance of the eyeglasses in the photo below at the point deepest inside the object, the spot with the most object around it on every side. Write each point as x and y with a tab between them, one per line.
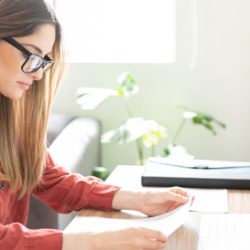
33	61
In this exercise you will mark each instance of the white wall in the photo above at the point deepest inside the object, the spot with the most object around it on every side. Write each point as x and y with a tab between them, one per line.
219	85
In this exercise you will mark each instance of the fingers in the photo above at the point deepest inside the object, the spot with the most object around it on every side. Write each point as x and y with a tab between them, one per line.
177	198
154	239
153	234
182	192
154	244
147	238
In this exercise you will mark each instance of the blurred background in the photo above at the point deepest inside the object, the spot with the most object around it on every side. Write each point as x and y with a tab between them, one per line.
218	85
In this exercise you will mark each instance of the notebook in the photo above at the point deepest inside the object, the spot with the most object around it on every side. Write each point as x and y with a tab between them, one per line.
224	232
197	173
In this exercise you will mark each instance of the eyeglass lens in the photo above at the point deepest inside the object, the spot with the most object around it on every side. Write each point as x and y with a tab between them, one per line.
47	67
34	63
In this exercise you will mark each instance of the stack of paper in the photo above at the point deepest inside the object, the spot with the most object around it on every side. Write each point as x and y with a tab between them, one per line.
166	223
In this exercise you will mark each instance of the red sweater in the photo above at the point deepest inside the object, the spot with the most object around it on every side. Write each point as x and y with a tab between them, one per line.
62	191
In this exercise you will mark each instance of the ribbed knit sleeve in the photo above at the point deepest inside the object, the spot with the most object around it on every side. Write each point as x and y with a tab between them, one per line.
65	192
15	236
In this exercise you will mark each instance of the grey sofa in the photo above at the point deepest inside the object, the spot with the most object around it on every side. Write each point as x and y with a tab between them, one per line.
73	143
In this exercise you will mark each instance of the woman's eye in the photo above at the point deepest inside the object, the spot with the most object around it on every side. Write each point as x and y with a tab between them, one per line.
25	56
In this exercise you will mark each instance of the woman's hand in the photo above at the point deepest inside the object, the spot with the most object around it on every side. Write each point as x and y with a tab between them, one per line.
126	239
162	201
152	203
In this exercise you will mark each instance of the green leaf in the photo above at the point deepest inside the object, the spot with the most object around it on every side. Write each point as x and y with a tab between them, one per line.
189	114
197	120
177	151
130	130
133	129
110	136
120	91
203	121
122	137
81	95
127	84
166	151
220	123
206	117
90	98
201	118
210	128
131	78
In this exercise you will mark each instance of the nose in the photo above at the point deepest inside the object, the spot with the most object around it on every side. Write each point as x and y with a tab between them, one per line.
38	75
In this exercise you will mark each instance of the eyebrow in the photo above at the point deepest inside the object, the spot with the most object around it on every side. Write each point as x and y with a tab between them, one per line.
35	47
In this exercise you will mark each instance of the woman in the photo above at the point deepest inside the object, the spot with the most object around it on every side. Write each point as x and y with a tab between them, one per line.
31	68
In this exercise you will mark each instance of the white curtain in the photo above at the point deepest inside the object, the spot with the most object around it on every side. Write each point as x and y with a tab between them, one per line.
118	31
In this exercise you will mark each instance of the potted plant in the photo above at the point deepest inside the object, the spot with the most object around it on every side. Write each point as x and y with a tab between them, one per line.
133	128
199	118
145	133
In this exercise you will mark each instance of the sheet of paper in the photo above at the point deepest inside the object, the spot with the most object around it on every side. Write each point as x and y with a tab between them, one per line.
166	223
210	200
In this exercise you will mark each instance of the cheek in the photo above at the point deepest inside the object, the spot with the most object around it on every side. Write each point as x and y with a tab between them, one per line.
10	68
10	63
10	73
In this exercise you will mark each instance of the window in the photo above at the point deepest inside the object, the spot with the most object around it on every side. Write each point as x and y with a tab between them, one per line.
51	2
118	31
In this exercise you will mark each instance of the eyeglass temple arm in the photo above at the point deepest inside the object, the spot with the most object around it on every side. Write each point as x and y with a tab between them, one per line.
17	45
47	58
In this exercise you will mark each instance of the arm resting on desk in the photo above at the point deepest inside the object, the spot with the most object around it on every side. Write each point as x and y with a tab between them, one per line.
151	202
65	192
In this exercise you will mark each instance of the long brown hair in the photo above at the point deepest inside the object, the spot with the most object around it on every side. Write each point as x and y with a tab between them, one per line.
23	122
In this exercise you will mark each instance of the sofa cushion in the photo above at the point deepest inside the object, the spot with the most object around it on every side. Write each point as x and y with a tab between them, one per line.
77	148
56	123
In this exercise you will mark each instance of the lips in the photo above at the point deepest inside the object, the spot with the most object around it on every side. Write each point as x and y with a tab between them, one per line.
25	83
24	86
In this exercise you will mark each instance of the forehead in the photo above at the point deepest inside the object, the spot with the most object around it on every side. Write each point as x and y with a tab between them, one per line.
43	38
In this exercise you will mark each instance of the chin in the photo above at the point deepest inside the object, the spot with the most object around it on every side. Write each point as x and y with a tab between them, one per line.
14	96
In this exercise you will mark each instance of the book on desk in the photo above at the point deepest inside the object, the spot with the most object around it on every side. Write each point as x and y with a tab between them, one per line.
166	172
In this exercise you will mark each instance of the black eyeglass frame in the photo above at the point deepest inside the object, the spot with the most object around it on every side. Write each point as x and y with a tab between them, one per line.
45	61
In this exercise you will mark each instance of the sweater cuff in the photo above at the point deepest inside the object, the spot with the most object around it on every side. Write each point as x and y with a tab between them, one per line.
102	196
50	239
